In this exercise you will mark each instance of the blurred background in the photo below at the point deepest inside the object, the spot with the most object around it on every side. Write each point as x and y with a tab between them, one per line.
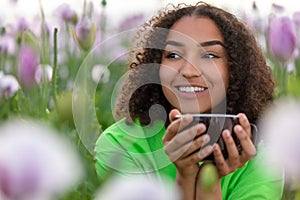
61	67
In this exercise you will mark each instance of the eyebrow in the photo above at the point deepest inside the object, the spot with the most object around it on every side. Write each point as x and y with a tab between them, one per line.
203	44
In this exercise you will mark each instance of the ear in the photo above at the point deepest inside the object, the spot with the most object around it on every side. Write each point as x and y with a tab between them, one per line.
172	114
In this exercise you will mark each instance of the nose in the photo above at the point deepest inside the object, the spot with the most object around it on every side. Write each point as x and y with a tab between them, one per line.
189	69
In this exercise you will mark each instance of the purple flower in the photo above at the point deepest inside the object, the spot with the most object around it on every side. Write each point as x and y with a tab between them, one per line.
85	33
29	60
282	38
7	44
277	7
8	85
281	134
22	24
296	18
36	162
131	22
67	14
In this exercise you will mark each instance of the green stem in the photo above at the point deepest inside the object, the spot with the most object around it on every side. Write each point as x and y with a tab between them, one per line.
54	74
283	79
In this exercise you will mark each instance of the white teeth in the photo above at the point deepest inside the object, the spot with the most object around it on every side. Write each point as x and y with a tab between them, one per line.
191	89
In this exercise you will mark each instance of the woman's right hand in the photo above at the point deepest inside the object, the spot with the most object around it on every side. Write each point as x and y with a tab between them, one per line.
183	148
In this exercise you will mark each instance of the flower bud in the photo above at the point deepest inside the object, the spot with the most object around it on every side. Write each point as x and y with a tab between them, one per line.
282	38
29	60
84	33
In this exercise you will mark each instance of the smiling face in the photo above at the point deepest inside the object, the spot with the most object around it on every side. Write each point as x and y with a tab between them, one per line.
194	72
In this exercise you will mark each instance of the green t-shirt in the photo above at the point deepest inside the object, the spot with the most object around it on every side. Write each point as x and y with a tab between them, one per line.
134	150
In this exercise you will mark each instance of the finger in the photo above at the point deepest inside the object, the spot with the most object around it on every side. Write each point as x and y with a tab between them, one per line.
174	127
185	139
197	144
232	150
173	113
233	153
189	148
220	162
198	156
244	122
248	147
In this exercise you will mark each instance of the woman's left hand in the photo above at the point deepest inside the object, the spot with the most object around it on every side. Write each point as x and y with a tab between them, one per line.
235	159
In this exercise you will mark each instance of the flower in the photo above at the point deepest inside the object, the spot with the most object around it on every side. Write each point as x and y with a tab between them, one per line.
100	73
43	72
138	187
67	14
8	85
296	18
281	131
36	163
85	33
7	44
22	24
131	22
28	63
282	38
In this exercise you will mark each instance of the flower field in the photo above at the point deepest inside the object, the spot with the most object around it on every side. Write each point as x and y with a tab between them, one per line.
59	79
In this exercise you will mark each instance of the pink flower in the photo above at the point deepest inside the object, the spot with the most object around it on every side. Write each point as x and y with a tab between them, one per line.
28	62
282	38
22	24
36	163
67	14
296	18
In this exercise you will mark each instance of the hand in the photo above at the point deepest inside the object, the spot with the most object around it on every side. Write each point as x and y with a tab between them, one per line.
235	160
183	148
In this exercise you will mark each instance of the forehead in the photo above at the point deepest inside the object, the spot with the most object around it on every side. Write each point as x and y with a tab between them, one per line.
196	28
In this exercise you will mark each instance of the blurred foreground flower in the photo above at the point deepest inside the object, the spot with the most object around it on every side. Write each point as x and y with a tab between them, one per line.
209	177
281	130
282	38
35	163
137	188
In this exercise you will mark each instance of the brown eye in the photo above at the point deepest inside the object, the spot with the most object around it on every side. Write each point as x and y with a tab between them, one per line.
172	55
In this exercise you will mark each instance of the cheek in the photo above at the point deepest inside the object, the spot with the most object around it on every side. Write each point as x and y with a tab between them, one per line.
166	75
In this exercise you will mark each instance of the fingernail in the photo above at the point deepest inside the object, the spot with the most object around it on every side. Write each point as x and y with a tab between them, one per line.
200	126
239	128
205	138
227	134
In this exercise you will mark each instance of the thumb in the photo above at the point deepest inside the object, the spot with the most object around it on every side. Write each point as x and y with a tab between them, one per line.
173	113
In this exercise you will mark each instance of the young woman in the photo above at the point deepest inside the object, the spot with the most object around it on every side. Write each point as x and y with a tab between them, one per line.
188	60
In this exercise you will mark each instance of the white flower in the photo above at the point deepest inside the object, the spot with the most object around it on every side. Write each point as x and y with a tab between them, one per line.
35	162
136	188
43	72
281	134
8	85
100	73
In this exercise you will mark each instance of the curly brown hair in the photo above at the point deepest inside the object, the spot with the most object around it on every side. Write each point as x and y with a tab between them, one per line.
251	85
